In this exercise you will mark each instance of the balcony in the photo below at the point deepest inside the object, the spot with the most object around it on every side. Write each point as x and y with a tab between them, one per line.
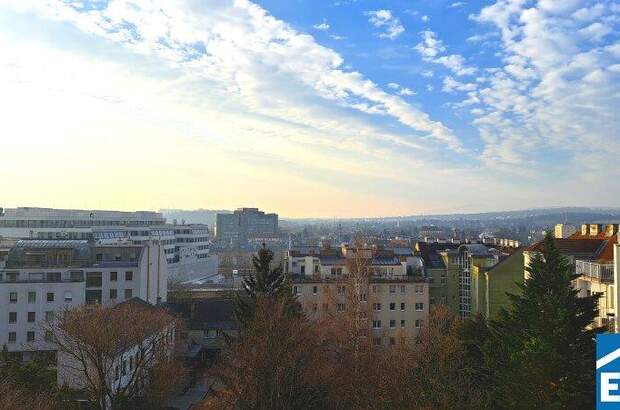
604	272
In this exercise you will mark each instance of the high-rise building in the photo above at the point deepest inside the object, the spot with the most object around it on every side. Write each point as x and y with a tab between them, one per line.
236	229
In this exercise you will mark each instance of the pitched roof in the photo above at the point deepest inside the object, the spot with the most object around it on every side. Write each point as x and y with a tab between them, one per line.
207	313
570	246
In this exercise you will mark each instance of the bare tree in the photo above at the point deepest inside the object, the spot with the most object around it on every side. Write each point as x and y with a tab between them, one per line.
117	354
276	363
13	397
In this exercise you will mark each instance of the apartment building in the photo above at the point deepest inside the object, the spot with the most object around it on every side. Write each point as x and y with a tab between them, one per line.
395	303
43	277
591	250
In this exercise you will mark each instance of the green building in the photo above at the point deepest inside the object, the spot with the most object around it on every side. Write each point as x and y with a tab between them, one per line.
489	285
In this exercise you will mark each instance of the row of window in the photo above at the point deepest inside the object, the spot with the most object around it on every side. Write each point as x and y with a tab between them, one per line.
32	297
30	336
341	289
31	316
376	324
341	307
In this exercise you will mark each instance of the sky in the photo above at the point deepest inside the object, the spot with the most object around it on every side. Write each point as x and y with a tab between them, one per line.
310	108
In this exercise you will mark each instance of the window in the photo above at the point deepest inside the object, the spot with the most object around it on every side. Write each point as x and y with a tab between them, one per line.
30	336
124	367
297	290
128	275
113	293
403	288
392	288
32	297
315	290
392	324
376	306
315	307
376	341
48	336
419	289
93	280
402	306
392	341
340	307
131	363
303	269
50	296
392	306
375	289
402	323
12	337
419	323
128	293
376	324
13	297
32	316
49	315
443	280
113	276
68	296
340	290
12	317
419	307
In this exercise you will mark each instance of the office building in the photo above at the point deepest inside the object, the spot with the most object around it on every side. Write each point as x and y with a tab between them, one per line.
187	247
245	224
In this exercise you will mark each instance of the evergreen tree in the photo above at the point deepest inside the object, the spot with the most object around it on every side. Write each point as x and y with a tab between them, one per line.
542	350
264	281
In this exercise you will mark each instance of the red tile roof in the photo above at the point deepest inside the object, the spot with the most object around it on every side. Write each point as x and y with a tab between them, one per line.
598	247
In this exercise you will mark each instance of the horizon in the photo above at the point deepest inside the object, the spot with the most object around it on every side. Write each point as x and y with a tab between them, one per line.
343	108
576	208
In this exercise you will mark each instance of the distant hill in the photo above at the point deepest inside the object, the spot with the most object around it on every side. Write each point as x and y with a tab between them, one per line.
197	216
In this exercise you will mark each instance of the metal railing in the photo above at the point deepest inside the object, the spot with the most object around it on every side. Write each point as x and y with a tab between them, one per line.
600	271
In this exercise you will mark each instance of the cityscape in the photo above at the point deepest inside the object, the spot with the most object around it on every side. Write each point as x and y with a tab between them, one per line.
338	204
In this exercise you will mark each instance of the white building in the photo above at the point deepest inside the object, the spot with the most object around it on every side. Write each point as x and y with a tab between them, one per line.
187	247
42	277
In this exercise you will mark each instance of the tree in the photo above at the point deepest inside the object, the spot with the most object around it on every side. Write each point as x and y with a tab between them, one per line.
276	364
544	344
15	397
264	281
117	354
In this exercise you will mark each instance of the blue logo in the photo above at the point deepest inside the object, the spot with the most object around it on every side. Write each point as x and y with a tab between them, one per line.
608	371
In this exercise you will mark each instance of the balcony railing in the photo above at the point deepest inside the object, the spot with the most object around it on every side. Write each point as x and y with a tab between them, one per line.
601	271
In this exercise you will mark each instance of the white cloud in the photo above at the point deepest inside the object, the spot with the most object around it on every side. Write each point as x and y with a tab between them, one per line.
385	19
431	47
555	90
406	92
322	26
425	18
243	51
457	4
429	87
451	85
427	73
393	86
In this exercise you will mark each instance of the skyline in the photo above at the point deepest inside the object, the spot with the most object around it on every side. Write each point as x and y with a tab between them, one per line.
346	108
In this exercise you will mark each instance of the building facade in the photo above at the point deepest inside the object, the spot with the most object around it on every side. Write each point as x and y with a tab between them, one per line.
243	225
187	247
395	304
42	278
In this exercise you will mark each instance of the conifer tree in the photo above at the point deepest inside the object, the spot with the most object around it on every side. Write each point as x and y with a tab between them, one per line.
264	281
542	350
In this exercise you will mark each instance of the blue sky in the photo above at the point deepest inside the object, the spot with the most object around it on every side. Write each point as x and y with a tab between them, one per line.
311	108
